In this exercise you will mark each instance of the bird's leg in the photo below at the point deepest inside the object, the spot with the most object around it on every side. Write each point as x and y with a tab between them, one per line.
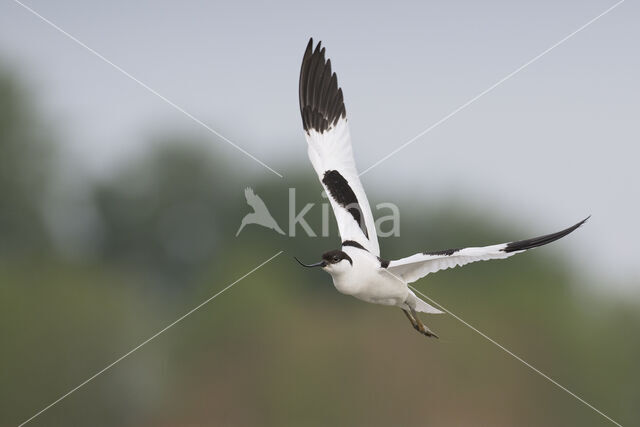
419	326
411	319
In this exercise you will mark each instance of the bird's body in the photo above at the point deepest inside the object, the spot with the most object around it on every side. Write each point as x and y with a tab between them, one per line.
368	281
356	268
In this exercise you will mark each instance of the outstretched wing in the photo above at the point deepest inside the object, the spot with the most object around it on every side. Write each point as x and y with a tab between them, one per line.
254	200
327	132
416	266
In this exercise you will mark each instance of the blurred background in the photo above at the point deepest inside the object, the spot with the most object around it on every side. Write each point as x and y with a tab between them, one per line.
118	214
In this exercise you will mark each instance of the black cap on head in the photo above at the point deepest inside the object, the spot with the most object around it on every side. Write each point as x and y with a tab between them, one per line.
333	257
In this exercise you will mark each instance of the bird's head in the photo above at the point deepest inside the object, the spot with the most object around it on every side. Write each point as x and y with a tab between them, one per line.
333	262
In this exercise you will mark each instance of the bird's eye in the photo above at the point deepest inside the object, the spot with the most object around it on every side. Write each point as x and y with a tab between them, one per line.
336	259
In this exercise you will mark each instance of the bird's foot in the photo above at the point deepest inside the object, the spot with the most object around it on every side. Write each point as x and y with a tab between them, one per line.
418	325
428	332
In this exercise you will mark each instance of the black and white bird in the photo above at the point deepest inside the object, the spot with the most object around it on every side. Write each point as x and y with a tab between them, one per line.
356	267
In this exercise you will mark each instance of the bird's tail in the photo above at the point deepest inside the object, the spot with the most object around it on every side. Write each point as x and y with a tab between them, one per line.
420	306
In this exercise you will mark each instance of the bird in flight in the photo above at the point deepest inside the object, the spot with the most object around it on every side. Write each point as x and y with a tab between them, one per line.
356	267
260	214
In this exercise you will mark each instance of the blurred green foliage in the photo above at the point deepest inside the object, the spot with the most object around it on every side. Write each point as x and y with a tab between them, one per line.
25	154
282	347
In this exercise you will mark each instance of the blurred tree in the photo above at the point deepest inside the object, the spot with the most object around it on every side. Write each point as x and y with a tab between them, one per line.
162	214
25	166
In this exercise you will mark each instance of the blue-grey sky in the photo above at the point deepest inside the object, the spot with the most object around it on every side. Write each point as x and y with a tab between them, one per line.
554	143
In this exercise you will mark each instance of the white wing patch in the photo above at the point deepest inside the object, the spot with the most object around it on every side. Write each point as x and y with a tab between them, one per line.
419	265
332	158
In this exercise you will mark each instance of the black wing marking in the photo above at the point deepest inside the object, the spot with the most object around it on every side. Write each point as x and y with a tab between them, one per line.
342	193
354	244
446	252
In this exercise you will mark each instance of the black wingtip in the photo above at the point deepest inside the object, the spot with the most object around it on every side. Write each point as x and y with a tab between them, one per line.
522	245
581	223
321	100
309	49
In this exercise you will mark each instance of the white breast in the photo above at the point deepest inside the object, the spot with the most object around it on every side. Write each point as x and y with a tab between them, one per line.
365	280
